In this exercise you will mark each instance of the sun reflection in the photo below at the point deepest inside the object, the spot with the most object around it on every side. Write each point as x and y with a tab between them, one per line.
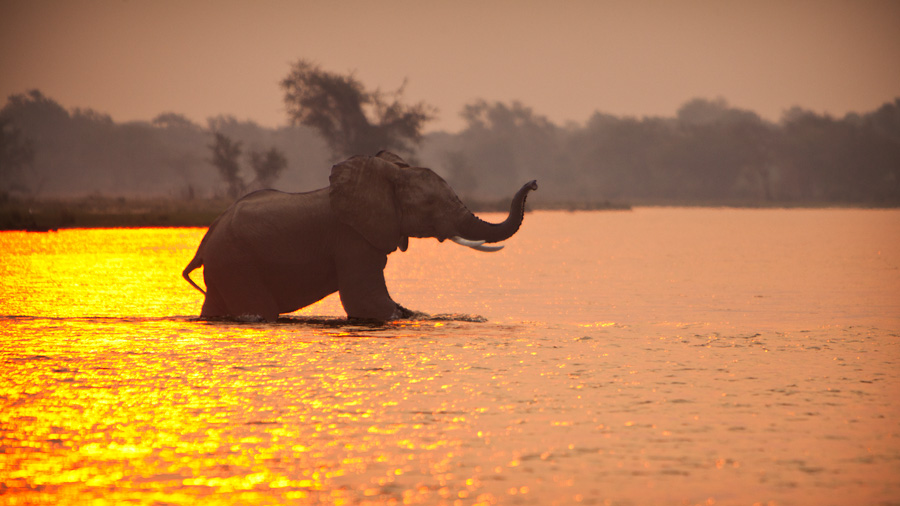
597	324
98	272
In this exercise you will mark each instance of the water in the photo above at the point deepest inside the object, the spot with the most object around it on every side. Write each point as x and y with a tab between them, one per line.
660	356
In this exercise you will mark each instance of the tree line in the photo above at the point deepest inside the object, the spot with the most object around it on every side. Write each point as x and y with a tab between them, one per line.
708	153
82	152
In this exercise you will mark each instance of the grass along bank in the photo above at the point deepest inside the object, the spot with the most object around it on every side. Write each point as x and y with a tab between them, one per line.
109	212
104	212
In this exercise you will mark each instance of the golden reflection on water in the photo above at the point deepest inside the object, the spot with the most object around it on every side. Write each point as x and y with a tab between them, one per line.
177	418
111	392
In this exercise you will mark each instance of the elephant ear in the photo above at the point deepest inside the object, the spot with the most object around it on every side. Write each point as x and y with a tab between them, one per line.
362	196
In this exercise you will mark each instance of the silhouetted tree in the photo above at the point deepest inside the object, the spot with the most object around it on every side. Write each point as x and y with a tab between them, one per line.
174	121
225	158
16	153
506	143
854	159
461	175
621	158
351	119
267	166
721	152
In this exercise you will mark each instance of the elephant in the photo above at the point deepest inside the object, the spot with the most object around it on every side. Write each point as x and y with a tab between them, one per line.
273	252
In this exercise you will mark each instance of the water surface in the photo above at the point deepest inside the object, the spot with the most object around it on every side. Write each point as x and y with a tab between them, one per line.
660	356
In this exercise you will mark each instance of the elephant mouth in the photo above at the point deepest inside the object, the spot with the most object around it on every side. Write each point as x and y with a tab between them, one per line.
477	245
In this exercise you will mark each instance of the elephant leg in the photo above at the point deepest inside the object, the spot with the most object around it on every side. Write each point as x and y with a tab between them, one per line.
362	289
238	292
213	305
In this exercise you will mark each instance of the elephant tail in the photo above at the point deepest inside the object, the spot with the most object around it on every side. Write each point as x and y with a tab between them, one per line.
195	263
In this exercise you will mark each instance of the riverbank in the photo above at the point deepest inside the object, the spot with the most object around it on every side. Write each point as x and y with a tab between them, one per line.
103	212
111	212
107	212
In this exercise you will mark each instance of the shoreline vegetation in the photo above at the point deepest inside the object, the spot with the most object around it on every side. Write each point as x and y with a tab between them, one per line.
120	212
108	212
708	154
112	212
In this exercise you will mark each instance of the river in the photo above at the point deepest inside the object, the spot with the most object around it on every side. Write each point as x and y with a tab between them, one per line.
655	356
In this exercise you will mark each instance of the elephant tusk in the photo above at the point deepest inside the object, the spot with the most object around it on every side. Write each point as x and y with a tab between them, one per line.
466	242
477	245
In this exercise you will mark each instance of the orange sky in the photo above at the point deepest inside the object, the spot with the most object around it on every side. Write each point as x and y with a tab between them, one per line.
565	59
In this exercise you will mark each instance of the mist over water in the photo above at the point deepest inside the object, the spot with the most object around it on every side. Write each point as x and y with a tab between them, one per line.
660	356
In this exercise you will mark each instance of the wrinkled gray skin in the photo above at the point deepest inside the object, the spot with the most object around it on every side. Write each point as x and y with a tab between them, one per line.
273	252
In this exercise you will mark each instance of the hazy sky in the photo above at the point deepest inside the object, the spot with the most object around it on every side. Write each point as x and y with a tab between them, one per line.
565	59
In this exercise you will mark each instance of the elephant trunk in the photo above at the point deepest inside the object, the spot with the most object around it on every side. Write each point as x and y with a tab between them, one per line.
474	228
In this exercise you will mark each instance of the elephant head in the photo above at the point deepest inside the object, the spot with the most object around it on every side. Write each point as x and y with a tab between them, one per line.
387	202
